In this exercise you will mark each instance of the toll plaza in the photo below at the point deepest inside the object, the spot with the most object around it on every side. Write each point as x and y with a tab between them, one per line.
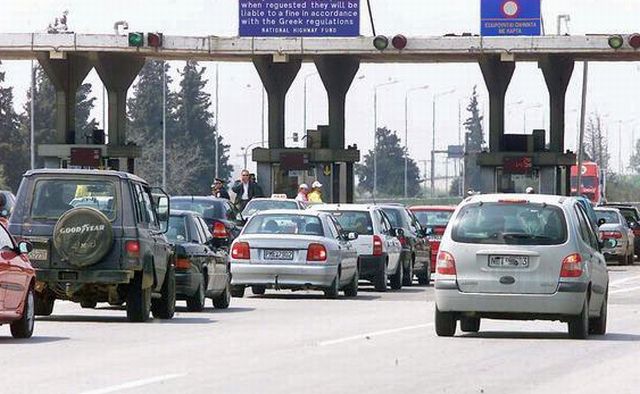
511	163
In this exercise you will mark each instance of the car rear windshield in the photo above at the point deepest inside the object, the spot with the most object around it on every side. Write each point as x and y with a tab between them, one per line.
208	209
608	216
177	230
354	221
53	197
255	206
284	224
433	218
510	223
396	217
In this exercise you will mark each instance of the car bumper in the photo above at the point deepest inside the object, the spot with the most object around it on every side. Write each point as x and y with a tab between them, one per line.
614	252
280	275
84	276
369	265
567	300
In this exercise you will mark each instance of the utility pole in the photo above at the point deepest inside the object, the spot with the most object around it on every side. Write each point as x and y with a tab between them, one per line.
375	134
406	135
32	120
164	126
217	123
433	139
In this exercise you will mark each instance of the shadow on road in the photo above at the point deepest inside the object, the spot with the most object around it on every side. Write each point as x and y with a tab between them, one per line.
121	319
35	340
215	310
615	337
293	296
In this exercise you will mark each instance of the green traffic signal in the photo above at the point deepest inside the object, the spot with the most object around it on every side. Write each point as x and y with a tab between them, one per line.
381	43
136	39
616	41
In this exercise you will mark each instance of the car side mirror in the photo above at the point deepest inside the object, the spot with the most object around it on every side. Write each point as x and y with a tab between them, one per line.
601	221
25	247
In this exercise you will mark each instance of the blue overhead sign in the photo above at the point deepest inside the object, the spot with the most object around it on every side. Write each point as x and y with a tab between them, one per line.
299	18
510	18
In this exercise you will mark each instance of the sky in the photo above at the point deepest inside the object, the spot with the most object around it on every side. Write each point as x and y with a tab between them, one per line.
612	89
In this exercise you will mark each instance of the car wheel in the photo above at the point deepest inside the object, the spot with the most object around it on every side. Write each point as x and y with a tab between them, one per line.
407	277
445	323
352	289
423	279
88	304
579	325
396	279
237	291
380	278
138	300
223	300
331	292
470	324
23	328
196	302
165	306
258	290
43	304
598	326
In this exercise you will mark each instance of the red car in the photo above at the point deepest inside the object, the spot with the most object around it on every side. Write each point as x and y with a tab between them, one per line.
17	281
434	218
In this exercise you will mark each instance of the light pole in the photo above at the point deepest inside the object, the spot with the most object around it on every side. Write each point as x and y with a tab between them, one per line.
216	133
32	117
433	138
425	163
304	102
524	116
375	133
245	151
406	133
164	126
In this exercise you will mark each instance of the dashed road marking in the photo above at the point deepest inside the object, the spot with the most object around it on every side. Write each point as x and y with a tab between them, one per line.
372	334
134	384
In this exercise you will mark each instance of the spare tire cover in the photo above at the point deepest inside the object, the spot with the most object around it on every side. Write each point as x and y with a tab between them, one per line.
83	236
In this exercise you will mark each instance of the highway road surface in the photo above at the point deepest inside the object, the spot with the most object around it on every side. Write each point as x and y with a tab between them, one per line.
287	342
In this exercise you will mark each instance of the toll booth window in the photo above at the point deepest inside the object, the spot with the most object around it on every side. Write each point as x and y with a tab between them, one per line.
54	197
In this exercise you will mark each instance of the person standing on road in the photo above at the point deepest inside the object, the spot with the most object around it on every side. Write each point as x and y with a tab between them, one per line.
245	190
316	193
218	190
303	191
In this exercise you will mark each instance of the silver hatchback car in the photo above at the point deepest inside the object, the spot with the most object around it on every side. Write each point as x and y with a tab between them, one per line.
521	257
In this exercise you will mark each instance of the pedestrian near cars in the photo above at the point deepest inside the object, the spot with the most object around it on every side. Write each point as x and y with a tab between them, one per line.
245	190
316	193
303	191
218	190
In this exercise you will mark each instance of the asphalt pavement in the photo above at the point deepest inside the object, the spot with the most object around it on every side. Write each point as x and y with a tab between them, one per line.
286	342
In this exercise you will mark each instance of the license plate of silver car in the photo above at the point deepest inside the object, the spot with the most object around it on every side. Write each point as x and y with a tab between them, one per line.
277	254
508	261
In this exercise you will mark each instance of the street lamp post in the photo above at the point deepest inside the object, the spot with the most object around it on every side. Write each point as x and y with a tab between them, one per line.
406	134
433	138
216	133
375	134
164	126
304	102
245	151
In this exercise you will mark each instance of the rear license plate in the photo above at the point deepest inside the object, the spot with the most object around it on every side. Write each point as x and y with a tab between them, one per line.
508	261
39	254
278	254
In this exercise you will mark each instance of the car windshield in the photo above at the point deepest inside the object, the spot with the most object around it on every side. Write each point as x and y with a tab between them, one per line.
354	221
209	209
255	206
53	197
608	216
395	217
284	224
510	223
177	231
433	218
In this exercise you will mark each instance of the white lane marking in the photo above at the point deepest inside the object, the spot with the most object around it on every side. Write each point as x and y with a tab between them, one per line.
372	334
625	280
626	290
134	384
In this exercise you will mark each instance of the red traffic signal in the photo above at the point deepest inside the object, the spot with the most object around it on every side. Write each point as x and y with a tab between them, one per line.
634	41
399	42
154	40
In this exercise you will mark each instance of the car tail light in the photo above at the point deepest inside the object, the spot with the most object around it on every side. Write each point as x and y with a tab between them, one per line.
219	230
571	266
183	263
316	252
132	248
611	234
377	245
241	251
446	264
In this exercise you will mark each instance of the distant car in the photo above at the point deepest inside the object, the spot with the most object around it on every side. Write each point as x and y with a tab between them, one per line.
262	204
10	201
202	270
617	235
222	217
17	284
521	257
434	218
377	245
416	252
632	215
290	249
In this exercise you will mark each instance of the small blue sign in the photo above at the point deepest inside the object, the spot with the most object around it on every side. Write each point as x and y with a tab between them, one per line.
299	18
510	18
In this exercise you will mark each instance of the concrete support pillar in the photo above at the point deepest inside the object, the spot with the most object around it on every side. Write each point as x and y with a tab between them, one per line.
557	70
277	79
497	76
337	73
66	75
117	72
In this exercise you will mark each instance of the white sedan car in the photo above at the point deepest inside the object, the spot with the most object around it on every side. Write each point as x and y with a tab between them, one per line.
291	249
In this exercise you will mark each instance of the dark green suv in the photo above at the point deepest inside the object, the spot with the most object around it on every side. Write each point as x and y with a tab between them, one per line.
98	236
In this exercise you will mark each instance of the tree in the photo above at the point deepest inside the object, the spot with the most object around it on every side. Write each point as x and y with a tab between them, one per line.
3	179
474	138
634	164
596	144
12	155
390	157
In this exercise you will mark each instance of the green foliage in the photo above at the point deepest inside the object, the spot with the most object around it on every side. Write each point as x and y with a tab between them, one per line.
474	142
622	187
596	144
390	157
634	164
12	141
3	179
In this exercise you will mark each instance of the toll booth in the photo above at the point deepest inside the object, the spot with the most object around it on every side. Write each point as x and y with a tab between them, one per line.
281	171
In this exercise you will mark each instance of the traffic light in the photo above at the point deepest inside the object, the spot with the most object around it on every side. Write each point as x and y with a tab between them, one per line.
136	39
634	41
399	42
381	43
154	40
616	41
